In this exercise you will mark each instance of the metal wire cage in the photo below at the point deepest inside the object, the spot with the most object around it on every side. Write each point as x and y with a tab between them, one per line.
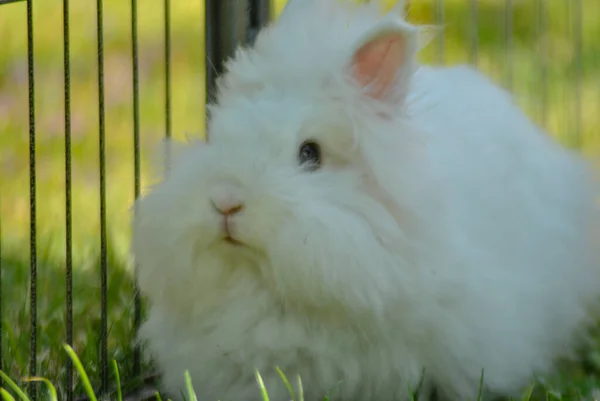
543	51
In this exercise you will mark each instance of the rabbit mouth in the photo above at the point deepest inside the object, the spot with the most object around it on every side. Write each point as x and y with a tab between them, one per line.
232	241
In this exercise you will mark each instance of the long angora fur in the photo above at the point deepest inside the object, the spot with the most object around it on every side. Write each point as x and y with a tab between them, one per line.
444	232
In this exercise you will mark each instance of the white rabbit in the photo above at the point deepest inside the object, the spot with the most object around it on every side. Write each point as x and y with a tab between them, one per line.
357	219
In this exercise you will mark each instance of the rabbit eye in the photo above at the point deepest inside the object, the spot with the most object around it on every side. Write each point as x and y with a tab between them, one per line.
309	155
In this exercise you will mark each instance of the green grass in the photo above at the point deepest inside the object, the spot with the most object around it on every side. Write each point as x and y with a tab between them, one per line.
13	391
188	117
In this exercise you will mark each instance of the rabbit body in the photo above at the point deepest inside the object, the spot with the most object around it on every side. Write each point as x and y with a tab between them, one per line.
443	233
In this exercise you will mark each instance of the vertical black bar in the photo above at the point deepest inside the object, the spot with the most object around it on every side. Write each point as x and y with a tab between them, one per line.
167	68
137	319
473	53
228	23
32	205
68	239
260	13
102	168
210	49
226	27
508	32
543	59
1	309
439	20
578	67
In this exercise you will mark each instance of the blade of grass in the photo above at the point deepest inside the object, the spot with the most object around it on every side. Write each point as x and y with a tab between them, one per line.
84	377
261	385
51	388
6	395
480	394
14	386
415	394
118	379
190	388
529	393
328	396
287	383
300	389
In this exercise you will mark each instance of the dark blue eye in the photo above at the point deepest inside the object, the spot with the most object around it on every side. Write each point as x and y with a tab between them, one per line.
309	155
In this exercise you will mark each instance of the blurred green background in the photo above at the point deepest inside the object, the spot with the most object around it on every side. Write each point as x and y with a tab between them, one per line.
540	44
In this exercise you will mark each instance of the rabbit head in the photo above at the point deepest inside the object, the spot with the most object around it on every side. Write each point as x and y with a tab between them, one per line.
309	185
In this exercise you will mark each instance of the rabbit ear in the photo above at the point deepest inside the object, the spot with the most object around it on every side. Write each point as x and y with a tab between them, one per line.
384	58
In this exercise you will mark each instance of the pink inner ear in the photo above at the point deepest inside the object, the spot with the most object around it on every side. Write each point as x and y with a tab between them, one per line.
377	63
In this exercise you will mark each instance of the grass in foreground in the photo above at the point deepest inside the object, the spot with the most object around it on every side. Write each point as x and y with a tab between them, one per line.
12	389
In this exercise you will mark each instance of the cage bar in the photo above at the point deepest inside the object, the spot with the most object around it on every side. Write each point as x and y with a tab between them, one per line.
210	53
439	20
542	27
102	173
473	50
226	22
68	217
577	68
167	12
259	16
137	318
168	117
229	23
1	305
32	206
508	34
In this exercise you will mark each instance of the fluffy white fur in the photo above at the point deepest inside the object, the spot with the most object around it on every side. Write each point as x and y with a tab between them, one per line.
444	232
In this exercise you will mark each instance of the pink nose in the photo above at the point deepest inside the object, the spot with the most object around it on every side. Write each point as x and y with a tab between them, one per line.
227	199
